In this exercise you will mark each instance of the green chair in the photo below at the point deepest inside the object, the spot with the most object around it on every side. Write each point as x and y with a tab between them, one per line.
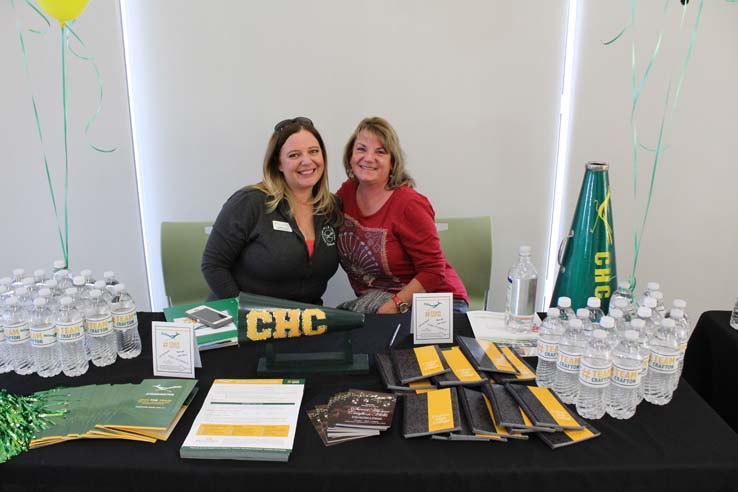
182	244
467	244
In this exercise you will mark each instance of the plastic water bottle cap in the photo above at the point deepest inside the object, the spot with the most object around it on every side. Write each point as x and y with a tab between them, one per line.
66	300
39	301
79	280
607	322
644	312
553	313
583	313
653	286
658	295
621	303
594	302
100	284
676	313
108	274
28	281
638	324
524	250
624	284
616	313
18	272
72	291
630	335
12	301
667	323
60	265
6	281
51	283
95	293
86	273
680	303
564	302
575	323
39	273
599	334
650	302
44	292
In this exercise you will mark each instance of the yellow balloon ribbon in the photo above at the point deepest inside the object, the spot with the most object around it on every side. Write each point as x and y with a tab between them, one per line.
63	10
602	214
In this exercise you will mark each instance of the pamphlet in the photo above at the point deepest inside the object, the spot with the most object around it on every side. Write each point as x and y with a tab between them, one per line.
432	318
174	350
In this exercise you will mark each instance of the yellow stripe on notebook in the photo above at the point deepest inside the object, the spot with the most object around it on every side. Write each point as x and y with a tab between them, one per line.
440	410
428	360
494	354
460	366
560	414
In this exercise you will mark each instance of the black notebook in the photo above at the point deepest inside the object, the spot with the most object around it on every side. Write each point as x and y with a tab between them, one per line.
507	411
418	363
461	373
466	433
544	408
485	355
432	412
565	438
389	378
525	371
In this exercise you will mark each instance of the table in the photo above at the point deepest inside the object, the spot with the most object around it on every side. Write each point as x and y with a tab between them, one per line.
683	446
709	364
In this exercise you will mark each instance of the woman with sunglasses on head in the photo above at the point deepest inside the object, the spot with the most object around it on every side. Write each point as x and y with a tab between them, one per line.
278	237
388	243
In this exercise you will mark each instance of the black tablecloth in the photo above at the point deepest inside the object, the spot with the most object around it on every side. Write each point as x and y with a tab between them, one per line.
709	364
682	446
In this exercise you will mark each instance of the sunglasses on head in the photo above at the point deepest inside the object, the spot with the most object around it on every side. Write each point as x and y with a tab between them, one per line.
300	120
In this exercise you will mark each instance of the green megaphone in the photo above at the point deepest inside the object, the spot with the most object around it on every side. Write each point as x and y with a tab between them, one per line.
267	319
587	254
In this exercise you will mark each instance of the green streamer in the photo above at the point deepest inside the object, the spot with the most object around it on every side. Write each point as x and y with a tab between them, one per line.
62	237
21	417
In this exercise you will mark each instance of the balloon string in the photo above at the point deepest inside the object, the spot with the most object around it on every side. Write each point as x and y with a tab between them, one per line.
65	105
36	115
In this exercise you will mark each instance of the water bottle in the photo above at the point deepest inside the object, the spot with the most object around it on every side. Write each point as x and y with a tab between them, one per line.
89	280
58	265
734	316
125	323
53	286
83	293
620	324
646	315
105	293
639	326
594	305
623	292
6	363
17	280
659	296
549	336
628	308
522	280
101	338
681	304
627	361
51	301
71	337
683	332
5	282
4	294
17	336
658	387
583	315
607	324
40	277
24	298
565	311
594	376
110	281
63	280
571	346
44	345
30	284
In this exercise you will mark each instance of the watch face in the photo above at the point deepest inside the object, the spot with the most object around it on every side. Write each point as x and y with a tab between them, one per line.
403	307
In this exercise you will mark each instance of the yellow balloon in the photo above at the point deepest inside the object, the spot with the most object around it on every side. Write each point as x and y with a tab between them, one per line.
63	10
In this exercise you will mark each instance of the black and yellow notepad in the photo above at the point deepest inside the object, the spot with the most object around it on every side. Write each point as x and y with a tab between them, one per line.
507	411
544	408
485	355
433	412
525	371
418	363
461	373
389	377
477	415
466	433
565	438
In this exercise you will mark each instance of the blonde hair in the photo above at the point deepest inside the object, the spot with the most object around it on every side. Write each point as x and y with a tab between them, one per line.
274	185
391	142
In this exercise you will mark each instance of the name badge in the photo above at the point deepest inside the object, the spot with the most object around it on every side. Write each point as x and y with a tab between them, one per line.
281	226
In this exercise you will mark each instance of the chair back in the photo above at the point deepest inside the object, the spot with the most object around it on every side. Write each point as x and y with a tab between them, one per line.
182	244
467	244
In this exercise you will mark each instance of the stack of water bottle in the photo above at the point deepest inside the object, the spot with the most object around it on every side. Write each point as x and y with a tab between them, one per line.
62	322
611	363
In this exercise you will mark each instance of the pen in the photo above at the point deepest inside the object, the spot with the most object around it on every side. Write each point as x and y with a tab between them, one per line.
395	335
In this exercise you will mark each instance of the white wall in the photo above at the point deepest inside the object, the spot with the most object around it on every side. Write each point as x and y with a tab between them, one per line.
472	88
691	240
104	228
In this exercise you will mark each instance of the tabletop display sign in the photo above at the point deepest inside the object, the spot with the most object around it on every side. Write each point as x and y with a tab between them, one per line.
174	348
432	318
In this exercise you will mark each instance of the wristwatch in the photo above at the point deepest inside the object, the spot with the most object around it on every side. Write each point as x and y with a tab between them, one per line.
402	306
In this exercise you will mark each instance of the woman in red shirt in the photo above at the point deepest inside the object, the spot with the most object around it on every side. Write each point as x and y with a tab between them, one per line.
388	244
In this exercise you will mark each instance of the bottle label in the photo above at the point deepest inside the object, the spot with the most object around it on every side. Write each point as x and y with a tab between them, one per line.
625	377
125	320
17	333
548	351
521	297
99	327
70	332
43	337
644	365
663	363
683	348
568	363
595	376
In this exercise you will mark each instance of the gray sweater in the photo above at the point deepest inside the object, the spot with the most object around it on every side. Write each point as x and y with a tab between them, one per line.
250	250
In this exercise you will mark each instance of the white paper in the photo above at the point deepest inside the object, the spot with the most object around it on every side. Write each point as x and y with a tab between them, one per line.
174	349
248	414
490	325
432	318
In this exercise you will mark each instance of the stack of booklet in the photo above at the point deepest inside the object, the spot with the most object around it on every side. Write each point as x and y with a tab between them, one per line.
208	338
353	414
246	419
147	411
